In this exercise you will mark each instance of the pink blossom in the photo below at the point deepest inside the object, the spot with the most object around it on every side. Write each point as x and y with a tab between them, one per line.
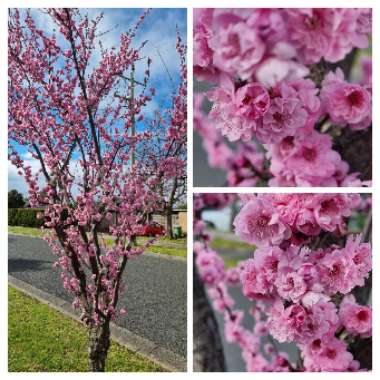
307	160
256	363
259	274
290	285
252	101
258	223
220	297
327	355
245	165
284	117
286	324
261	328
327	33
299	324
232	326
273	70
346	103
356	319
224	115
232	276
359	256
334	272
211	267
311	30
250	281
330	209
237	48
281	363
203	54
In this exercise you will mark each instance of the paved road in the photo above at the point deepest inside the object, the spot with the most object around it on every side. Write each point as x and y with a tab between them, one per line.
232	352
155	298
204	175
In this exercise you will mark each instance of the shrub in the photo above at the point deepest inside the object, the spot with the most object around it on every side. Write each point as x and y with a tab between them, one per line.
26	217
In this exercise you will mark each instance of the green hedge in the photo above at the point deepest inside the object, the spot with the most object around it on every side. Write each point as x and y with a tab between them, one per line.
26	217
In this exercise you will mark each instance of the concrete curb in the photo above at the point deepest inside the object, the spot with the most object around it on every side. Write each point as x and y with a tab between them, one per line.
156	255
165	358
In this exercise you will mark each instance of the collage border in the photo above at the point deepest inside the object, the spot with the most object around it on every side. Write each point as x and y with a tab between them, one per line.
375	189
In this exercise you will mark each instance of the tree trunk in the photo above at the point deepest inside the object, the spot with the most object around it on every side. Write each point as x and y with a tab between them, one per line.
169	209
169	222
207	344
99	342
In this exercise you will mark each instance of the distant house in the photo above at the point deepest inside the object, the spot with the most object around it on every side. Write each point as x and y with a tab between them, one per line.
179	218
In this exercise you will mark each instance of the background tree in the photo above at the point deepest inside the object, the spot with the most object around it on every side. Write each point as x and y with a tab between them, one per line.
166	150
77	116
15	199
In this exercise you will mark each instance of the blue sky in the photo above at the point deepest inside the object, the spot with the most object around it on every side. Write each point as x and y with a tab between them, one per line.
159	29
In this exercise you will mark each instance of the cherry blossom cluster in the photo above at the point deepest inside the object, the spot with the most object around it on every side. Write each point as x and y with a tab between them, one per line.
282	219
217	279
302	279
75	114
280	94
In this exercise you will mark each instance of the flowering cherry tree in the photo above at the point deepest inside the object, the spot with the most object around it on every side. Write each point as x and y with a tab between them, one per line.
283	90
308	280
73	106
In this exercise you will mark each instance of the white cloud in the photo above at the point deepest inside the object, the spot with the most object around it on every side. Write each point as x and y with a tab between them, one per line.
15	181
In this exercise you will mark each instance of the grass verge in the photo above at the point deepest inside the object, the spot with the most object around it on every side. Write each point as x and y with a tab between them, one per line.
230	262
42	339
27	231
163	245
220	243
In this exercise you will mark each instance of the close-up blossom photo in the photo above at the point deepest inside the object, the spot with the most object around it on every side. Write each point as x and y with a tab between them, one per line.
282	97
282	282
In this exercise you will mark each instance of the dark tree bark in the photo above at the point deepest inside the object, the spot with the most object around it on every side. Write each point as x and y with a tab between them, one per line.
319	70
361	348
99	343
208	355
169	222
169	209
355	147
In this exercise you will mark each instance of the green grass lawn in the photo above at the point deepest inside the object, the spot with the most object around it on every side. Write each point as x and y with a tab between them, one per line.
163	239
230	262
28	231
163	245
220	243
42	339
